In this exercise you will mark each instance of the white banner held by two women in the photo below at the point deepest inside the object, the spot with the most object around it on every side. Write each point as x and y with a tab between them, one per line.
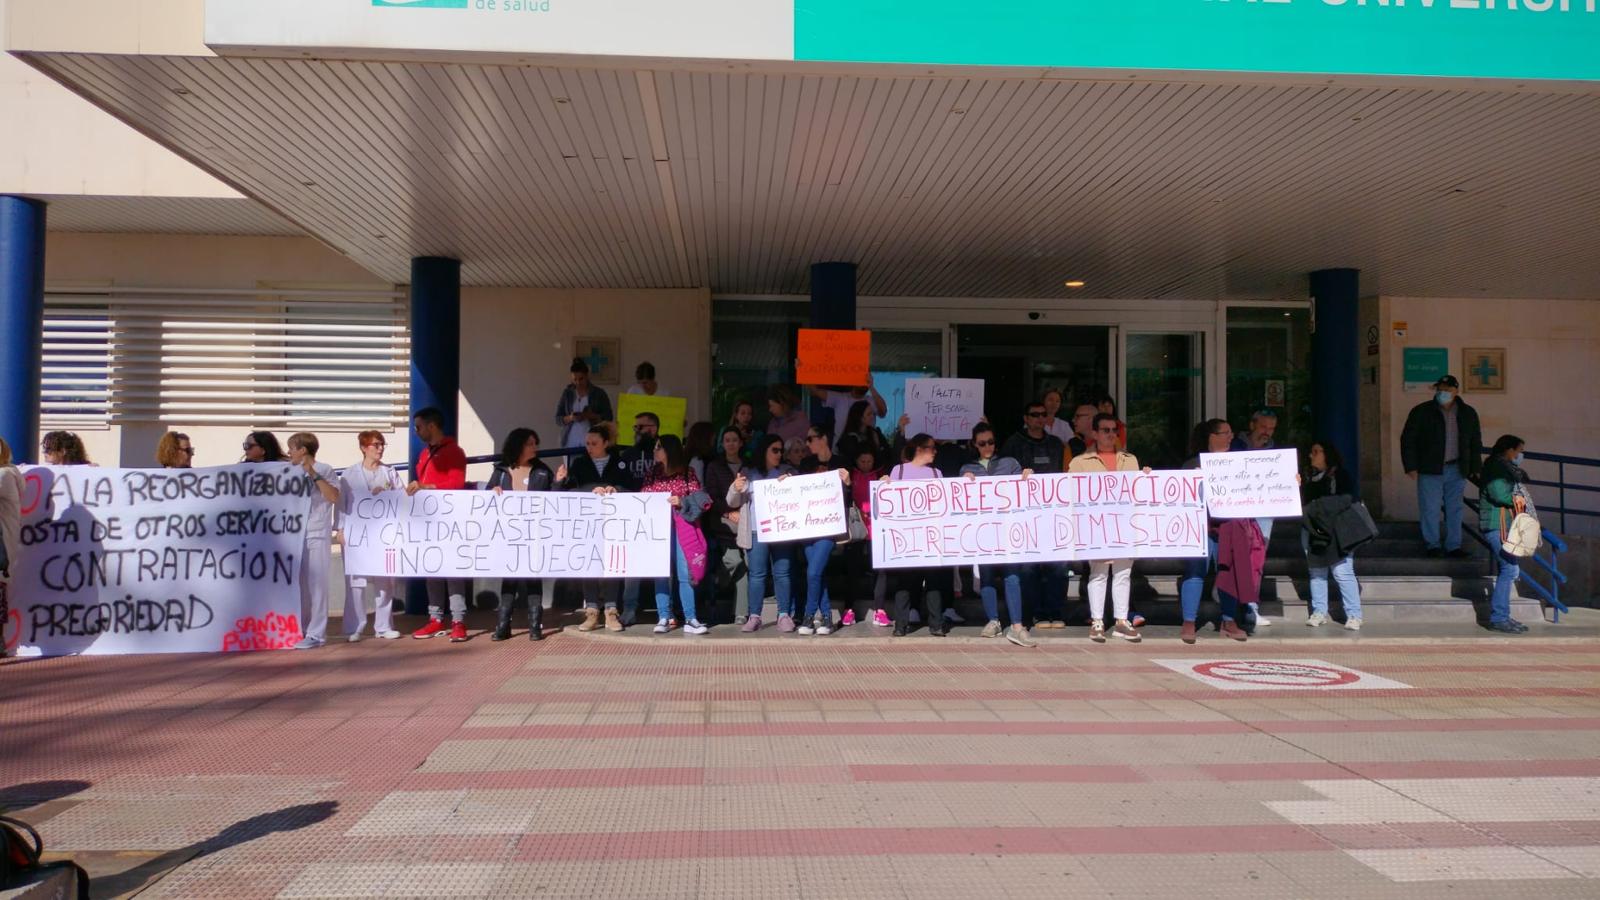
799	508
516	534
1042	518
158	560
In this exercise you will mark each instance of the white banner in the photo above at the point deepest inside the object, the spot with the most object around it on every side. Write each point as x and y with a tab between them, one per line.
159	560
1252	484
799	508
946	408
1044	518
517	534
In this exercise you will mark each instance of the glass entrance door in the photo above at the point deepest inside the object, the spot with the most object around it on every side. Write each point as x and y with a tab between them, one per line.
1164	382
1019	362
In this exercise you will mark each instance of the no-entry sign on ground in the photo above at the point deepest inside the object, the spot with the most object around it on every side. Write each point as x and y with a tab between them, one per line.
1277	675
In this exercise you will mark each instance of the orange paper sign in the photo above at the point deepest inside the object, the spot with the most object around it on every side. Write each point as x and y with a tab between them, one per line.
834	357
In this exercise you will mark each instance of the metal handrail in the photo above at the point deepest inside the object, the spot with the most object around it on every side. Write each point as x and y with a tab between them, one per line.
1560	484
1552	541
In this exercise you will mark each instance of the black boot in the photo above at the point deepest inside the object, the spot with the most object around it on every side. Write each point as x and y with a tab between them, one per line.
502	628
535	618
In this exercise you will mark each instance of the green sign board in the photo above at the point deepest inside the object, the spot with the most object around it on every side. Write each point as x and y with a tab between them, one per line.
1520	39
1424	366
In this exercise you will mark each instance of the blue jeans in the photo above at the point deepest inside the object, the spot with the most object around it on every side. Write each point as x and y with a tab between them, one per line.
1433	492
818	603
1344	572
631	589
685	588
770	561
1505	582
1050	586
1193	585
997	578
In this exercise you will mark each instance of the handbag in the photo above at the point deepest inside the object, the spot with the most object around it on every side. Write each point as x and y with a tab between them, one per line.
855	525
1523	536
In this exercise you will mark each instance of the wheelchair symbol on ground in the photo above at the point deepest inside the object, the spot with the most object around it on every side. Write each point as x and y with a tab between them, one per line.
1277	675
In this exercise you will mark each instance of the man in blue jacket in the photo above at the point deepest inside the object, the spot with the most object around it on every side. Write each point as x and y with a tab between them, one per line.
1441	447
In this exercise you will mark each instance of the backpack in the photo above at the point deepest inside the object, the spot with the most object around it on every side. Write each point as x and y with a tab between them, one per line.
20	850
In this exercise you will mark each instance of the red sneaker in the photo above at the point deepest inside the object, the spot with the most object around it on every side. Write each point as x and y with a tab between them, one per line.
458	633
433	627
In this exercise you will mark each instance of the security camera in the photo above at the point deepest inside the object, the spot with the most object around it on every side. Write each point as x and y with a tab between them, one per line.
1034	316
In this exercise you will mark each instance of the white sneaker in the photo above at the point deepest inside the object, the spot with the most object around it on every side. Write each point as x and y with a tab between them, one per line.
354	638
693	626
308	643
953	617
807	627
389	635
823	627
1352	624
916	617
1262	621
662	628
1316	620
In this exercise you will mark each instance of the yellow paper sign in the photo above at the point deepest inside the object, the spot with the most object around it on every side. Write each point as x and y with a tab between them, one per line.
671	410
839	357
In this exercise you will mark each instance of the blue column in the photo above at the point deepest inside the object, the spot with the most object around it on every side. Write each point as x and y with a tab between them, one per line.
833	295
21	322
435	361
1335	360
435	340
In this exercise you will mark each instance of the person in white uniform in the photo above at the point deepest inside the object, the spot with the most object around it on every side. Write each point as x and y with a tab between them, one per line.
317	557
365	479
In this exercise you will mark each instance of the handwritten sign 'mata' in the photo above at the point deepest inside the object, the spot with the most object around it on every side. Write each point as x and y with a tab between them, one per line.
946	408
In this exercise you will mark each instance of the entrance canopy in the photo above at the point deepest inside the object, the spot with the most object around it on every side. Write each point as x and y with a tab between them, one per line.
632	160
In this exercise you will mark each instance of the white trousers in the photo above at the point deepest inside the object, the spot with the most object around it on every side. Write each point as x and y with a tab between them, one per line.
1120	573
356	591
315	562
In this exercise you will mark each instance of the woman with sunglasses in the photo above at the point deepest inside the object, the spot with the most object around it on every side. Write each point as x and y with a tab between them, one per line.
174	451
1105	457
368	478
818	617
262	446
1210	436
63	448
765	561
993	579
932	582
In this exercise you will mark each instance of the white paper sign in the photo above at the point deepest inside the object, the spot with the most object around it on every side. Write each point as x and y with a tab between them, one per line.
1251	484
946	408
1045	518
158	560
517	534
799	508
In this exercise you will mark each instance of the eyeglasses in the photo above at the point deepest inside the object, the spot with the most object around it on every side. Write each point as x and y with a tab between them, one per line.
1227	431
379	444
187	450
1111	430
983	443
248	445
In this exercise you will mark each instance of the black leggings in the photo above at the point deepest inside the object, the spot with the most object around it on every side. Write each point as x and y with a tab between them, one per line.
932	584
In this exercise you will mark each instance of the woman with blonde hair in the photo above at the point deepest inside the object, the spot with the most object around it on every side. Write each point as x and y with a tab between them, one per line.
174	451
366	479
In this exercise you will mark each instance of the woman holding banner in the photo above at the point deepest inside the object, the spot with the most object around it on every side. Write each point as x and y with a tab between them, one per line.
818	618
1210	436
932	582
317	559
262	447
601	471
366	479
520	469
673	477
1105	457
993	579
765	560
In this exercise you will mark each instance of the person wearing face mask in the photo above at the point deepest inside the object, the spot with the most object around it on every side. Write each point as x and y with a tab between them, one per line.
996	578
1505	494
1440	448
